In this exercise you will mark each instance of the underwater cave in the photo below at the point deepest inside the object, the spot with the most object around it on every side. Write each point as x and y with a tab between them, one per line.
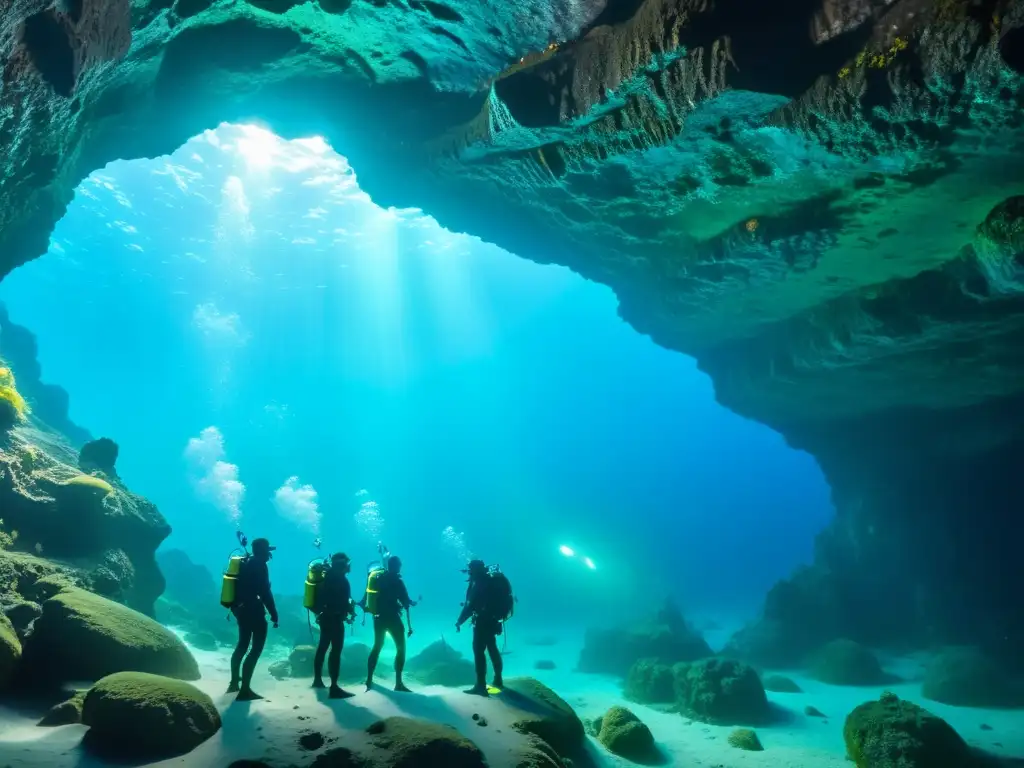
831	232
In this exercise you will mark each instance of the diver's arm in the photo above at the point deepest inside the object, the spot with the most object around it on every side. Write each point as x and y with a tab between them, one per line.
267	596
467	611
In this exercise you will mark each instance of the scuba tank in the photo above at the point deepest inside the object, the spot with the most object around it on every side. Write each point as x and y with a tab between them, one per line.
229	584
315	575
374	571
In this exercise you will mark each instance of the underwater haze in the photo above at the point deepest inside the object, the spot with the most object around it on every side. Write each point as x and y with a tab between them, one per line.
275	353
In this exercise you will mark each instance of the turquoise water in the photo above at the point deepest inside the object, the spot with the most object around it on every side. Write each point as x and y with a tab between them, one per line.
275	353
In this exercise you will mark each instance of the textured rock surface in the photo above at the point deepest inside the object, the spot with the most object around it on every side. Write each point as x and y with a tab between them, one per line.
137	716
819	200
84	522
82	636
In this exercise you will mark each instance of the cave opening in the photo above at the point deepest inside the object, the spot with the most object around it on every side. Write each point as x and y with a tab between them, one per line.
247	283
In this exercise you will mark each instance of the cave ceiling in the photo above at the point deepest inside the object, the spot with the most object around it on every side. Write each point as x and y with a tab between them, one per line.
821	200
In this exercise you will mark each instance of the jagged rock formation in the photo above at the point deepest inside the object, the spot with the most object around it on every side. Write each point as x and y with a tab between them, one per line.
820	200
48	401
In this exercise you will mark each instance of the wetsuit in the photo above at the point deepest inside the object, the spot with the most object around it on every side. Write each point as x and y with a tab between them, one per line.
392	599
335	605
253	601
486	628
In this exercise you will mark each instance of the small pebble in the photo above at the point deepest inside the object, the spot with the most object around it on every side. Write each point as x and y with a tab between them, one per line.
482	722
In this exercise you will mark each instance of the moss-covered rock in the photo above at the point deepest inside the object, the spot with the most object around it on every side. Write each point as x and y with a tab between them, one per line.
781	684
401	741
622	733
542	713
440	664
10	650
844	662
82	636
666	638
650	682
745	739
141	716
721	691
892	733
965	677
65	713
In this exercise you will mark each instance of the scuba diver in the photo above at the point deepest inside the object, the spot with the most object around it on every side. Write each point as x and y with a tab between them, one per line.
333	608
386	598
489	602
252	601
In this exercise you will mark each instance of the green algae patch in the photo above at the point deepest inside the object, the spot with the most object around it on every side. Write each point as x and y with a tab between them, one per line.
893	733
745	739
141	716
82	636
622	733
98	484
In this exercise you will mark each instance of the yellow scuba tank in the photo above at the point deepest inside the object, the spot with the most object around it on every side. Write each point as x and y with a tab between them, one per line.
371	588
314	578
230	581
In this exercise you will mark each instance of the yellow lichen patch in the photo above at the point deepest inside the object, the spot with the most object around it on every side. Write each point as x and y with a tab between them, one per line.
91	481
877	59
9	393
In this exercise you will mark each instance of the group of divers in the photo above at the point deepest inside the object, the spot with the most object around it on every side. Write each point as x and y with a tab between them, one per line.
328	596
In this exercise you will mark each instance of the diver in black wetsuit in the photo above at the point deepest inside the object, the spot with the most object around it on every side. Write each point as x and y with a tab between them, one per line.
392	599
253	600
486	627
334	608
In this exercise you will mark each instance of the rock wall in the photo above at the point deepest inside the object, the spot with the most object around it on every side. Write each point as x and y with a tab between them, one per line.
49	402
819	200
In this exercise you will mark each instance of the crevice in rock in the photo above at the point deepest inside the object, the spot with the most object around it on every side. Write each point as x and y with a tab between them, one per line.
1011	49
440	11
49	47
417	61
439	30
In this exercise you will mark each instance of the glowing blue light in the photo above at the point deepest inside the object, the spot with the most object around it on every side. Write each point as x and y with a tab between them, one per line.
567	551
589	563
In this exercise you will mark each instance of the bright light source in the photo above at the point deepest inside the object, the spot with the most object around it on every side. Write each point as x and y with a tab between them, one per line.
589	563
567	551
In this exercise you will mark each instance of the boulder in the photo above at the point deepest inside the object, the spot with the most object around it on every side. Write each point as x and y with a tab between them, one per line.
666	638
99	455
650	682
542	713
781	684
354	659
721	691
844	662
82	636
139	716
301	660
745	739
404	742
622	733
417	742
892	733
10	651
965	677
440	664
66	713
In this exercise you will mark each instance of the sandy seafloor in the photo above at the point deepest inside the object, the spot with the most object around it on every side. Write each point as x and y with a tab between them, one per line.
291	708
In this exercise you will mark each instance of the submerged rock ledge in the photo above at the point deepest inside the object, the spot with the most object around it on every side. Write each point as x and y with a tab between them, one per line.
821	202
